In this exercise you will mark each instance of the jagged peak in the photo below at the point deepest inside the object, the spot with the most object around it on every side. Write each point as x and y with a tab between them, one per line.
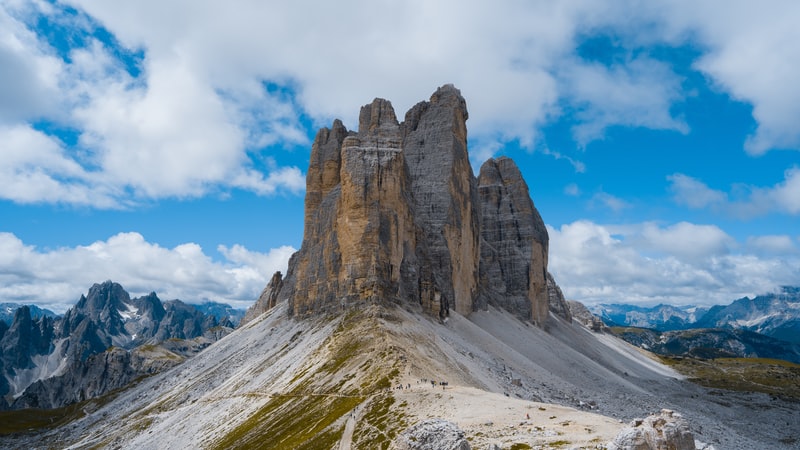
450	95
376	115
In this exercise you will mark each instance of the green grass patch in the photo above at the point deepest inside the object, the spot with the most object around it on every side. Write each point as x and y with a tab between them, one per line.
34	419
290	422
520	446
380	424
327	439
770	376
313	413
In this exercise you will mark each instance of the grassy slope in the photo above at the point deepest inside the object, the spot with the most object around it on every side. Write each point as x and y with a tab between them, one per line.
354	367
770	376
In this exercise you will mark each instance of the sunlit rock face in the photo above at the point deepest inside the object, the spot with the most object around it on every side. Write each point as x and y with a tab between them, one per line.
394	213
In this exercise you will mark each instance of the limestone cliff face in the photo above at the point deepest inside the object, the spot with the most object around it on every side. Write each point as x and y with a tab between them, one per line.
445	192
394	213
515	242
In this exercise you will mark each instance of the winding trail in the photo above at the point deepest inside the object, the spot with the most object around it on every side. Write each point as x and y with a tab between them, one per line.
347	436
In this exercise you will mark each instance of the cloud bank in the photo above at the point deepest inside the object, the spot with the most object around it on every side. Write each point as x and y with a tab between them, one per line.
747	201
55	278
683	263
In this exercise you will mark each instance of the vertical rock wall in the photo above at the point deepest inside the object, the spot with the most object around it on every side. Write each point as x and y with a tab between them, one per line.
514	244
445	192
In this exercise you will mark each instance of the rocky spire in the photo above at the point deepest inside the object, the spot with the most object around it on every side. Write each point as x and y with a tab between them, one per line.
393	214
515	241
445	192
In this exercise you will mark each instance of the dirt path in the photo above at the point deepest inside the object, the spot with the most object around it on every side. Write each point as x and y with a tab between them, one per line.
347	436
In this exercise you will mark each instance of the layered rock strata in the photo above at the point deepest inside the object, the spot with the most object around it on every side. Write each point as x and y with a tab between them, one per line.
514	244
394	213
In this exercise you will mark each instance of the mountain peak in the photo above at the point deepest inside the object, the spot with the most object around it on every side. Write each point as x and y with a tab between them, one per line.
378	114
101	296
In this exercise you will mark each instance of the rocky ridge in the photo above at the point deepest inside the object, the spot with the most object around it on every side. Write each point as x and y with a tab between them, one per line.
394	213
775	314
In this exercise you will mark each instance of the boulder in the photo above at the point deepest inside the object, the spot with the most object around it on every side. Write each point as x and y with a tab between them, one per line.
666	430
431	434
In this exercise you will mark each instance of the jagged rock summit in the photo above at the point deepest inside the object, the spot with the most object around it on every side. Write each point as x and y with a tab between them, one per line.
394	213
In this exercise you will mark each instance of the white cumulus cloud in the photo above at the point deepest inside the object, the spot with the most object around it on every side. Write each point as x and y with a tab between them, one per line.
749	201
682	263
55	278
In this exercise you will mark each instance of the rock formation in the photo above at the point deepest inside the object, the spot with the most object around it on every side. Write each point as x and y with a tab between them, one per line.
444	190
394	213
556	301
581	313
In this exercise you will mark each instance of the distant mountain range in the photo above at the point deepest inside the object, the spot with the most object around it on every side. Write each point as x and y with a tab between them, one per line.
710	343
776	315
221	311
7	311
102	343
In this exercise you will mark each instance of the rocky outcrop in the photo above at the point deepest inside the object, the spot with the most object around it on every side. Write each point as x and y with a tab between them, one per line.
100	373
432	434
380	226
8	310
267	299
581	313
113	369
666	430
394	213
555	299
25	338
445	194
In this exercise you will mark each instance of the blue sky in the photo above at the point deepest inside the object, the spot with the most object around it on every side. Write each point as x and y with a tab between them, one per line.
165	146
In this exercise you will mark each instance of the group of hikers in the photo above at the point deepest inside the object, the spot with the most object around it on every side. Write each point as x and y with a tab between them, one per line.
443	384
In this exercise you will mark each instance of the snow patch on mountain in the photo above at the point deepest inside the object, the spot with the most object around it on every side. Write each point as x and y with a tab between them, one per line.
131	312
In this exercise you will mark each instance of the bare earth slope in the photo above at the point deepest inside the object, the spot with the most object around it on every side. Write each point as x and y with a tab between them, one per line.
332	382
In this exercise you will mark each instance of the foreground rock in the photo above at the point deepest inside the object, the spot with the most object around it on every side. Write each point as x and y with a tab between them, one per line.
666	430
432	434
